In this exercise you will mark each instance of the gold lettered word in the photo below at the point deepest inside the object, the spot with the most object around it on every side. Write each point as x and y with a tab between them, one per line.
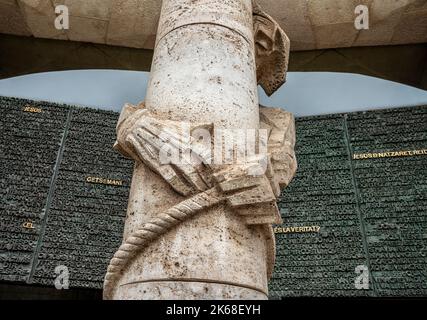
106	181
304	229
28	225
32	109
389	154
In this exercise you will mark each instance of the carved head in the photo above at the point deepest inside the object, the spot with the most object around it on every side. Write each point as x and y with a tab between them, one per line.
271	51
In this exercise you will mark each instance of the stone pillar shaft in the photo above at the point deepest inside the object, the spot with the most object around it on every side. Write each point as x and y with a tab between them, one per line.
203	71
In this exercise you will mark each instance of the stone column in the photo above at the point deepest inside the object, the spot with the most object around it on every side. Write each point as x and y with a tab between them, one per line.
203	72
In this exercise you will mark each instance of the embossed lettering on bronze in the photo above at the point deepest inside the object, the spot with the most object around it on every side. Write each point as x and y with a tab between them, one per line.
28	225
301	229
31	109
389	154
106	181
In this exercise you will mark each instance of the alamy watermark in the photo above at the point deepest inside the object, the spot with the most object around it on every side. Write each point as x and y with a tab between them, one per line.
362	280
361	22
221	147
62	21
62	280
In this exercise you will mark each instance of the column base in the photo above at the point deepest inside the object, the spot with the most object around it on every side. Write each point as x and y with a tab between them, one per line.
186	290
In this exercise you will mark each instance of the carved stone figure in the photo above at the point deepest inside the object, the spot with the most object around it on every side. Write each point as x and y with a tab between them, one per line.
272	48
196	227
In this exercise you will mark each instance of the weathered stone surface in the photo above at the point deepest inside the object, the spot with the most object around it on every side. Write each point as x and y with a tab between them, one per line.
87	29
333	23
141	134
384	18
93	9
133	23
412	25
88	20
295	21
12	20
40	17
309	24
194	86
271	51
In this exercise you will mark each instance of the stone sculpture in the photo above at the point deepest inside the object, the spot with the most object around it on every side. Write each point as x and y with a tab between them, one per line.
165	253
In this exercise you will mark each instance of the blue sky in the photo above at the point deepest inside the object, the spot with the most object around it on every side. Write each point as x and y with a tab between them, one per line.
305	93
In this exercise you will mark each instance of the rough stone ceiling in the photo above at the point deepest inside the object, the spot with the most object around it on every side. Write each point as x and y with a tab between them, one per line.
310	24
